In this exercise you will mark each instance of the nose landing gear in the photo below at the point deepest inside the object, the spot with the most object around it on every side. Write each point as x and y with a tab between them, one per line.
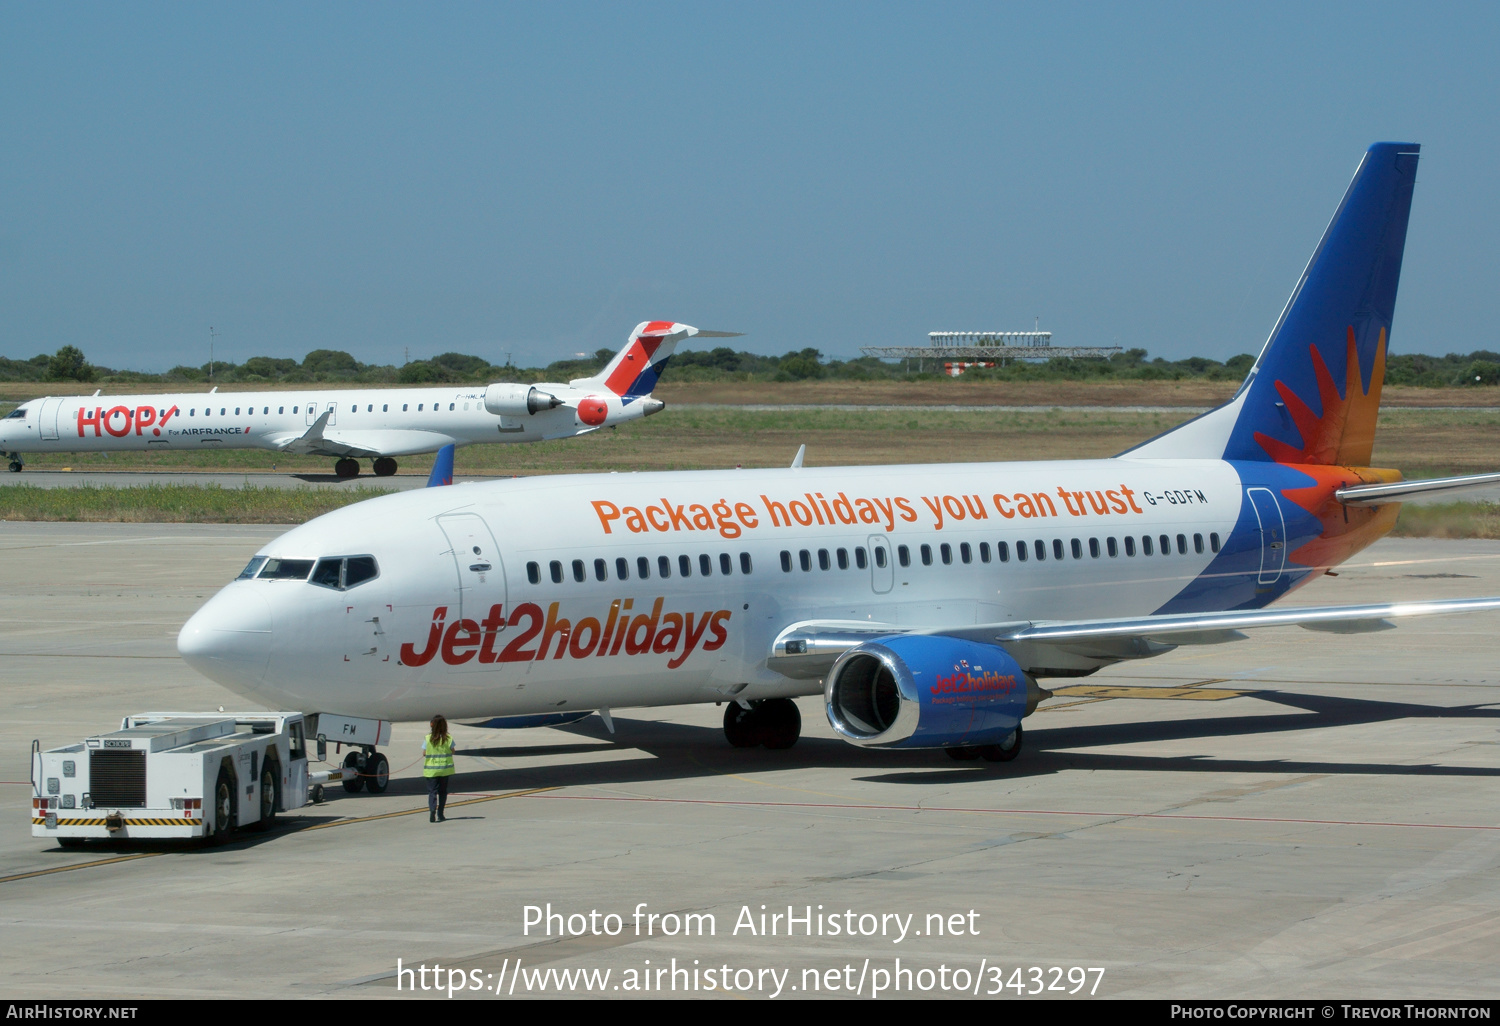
366	770
16	463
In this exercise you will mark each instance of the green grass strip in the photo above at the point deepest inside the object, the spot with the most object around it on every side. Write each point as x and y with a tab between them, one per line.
176	504
1449	520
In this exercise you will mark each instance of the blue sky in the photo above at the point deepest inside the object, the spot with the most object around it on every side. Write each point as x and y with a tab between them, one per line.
534	179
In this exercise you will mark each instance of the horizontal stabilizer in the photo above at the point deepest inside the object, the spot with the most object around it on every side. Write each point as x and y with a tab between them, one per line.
1380	494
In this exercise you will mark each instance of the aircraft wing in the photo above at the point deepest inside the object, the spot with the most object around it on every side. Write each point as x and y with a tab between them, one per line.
1379	494
809	649
317	440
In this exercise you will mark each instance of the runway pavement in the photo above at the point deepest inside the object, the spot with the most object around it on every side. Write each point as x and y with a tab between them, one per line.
139	479
1297	815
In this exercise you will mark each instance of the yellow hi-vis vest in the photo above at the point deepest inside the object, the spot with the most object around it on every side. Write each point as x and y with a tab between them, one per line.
437	759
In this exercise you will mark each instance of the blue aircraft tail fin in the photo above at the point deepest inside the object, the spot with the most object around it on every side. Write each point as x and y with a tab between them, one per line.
1313	395
442	468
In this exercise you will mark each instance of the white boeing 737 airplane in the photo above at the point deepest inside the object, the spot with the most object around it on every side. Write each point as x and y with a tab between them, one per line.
374	423
922	602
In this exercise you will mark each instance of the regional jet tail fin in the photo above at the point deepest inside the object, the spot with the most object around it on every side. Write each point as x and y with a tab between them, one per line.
442	468
808	650
1313	395
632	374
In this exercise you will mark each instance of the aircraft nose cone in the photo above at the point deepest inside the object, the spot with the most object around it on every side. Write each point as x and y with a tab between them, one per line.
229	639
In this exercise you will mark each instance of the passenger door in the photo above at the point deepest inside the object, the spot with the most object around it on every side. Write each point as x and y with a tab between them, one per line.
1272	534
476	561
47	419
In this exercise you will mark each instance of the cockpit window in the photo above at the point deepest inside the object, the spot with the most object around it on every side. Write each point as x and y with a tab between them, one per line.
251	568
17	414
286	569
344	572
358	569
327	572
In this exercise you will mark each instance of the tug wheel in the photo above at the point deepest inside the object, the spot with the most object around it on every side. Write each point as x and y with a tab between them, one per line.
267	797
223	808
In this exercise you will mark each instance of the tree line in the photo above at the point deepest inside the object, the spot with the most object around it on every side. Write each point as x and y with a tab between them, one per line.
69	363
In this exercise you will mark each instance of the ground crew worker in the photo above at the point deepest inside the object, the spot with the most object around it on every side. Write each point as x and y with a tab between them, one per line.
437	767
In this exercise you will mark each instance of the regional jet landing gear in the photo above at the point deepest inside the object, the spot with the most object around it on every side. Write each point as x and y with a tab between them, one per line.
1005	751
366	769
347	467
16	463
773	722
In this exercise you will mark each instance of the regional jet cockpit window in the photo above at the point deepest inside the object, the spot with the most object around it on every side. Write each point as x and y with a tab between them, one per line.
344	572
285	570
16	414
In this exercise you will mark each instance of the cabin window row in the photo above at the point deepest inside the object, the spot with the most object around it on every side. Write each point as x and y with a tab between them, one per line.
1059	549
641	566
353	408
828	559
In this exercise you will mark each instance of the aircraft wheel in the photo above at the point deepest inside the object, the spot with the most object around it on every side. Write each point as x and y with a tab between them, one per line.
15	466
385	467
780	722
965	753
1006	750
377	774
353	782
346	467
742	726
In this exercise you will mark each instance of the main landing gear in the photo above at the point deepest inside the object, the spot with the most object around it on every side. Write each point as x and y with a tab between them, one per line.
365	769
383	466
1005	751
772	722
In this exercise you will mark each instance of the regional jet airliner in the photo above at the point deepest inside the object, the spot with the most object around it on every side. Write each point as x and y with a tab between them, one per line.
378	424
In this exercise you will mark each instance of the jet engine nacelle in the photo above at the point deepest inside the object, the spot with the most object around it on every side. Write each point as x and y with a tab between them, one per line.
927	691
507	400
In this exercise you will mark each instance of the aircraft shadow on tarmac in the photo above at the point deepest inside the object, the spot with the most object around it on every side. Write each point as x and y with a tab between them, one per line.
674	751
